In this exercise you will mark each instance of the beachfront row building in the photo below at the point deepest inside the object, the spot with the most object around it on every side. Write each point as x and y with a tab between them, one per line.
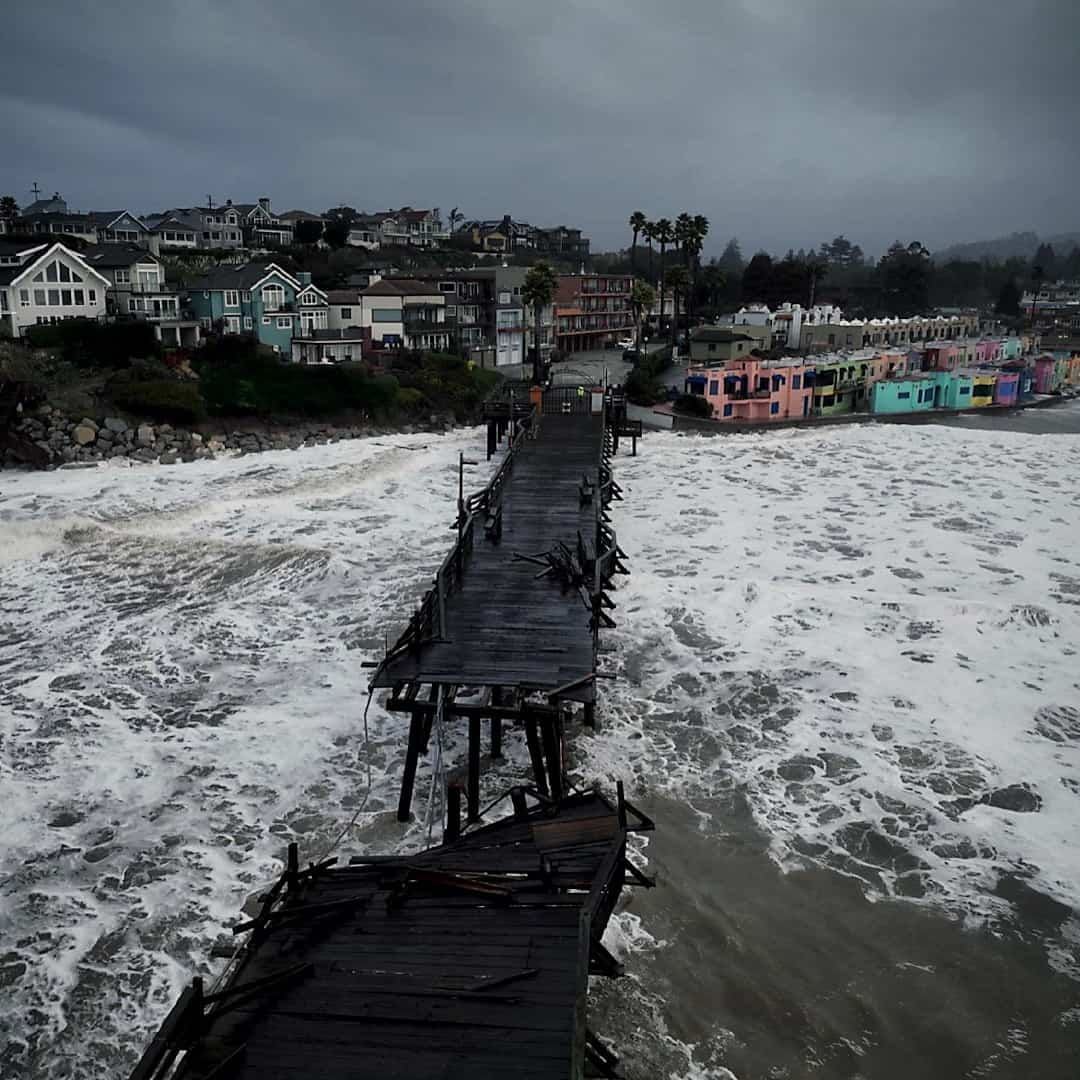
751	388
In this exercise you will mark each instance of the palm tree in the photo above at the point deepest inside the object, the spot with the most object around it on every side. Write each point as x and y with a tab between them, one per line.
665	233
642	298
698	230
648	230
679	280
538	292
684	234
715	279
9	209
637	223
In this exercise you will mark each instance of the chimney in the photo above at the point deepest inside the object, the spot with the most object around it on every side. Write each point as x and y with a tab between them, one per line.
304	277
264	202
228	202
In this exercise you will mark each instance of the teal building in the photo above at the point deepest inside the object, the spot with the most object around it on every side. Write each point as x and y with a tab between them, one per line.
259	299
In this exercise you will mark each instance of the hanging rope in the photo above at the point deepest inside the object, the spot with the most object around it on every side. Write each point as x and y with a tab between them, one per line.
437	786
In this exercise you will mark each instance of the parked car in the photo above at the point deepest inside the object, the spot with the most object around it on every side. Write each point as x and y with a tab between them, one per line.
625	343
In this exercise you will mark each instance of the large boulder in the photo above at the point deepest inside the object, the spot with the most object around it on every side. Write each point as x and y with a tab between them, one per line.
84	434
145	435
115	424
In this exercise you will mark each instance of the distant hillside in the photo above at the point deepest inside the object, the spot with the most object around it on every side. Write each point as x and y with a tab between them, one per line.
1021	244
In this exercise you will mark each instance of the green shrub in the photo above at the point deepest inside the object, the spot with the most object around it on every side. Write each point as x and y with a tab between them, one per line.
159	399
92	344
643	388
693	405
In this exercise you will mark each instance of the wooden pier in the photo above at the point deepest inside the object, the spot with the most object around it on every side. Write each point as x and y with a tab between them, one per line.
509	630
468	960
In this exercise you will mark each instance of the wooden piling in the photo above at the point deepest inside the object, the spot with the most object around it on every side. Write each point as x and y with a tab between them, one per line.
473	778
408	776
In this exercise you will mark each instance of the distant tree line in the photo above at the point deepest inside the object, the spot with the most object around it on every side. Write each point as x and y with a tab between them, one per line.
906	280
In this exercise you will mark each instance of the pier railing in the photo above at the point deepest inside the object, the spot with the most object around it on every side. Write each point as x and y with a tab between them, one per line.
429	621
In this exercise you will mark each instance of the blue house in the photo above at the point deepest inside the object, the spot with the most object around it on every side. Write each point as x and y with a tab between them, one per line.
904	394
259	299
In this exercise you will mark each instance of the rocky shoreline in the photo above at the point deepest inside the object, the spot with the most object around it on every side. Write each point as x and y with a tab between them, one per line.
87	441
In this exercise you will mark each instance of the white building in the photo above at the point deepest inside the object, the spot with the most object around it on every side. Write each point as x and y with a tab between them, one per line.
400	313
47	283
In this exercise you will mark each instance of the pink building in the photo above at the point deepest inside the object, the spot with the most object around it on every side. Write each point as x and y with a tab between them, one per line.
754	390
888	364
1046	375
942	356
988	351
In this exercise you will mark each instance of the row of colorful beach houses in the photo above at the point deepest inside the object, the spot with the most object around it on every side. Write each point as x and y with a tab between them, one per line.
964	374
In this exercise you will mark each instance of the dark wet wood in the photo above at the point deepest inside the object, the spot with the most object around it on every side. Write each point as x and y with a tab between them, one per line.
467	960
504	624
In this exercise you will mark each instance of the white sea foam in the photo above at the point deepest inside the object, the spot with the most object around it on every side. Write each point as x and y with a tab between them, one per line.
860	628
867	631
180	695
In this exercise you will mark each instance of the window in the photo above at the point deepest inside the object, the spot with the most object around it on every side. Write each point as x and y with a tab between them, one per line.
51	272
247	322
273	297
903	394
774	408
91	296
232	324
54	297
504	297
206	236
448	286
727	410
386	315
123	277
712	347
266	320
346	312
827	400
39	297
763	382
965	389
714	387
24	298
232	298
284	324
796	382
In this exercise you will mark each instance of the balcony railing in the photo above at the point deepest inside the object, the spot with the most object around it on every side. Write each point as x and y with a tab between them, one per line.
158	287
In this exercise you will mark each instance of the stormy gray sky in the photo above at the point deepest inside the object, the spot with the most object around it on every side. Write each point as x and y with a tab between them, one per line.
783	121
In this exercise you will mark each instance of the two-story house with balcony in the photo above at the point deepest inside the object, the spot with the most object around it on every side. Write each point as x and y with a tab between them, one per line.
173	230
119	227
259	299
394	313
561	241
261	226
138	290
46	283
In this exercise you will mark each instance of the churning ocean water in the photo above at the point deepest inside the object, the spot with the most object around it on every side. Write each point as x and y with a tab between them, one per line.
847	684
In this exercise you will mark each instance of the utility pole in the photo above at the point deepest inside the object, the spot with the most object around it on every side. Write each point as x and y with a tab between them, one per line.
35	190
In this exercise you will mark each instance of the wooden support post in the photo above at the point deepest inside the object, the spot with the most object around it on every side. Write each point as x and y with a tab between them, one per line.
292	872
492	437
453	814
416	739
590	714
622	804
633	446
496	738
517	797
532	737
473	779
552	731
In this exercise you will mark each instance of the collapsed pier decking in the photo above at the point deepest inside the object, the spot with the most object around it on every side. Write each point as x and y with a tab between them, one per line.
467	960
509	630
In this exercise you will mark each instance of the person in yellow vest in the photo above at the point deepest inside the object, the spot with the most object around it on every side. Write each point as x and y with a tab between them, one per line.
581	392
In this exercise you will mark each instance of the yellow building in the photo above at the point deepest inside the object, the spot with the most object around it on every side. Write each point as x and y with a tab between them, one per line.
982	389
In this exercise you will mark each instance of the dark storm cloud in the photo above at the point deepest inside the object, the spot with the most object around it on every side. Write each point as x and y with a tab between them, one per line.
784	121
